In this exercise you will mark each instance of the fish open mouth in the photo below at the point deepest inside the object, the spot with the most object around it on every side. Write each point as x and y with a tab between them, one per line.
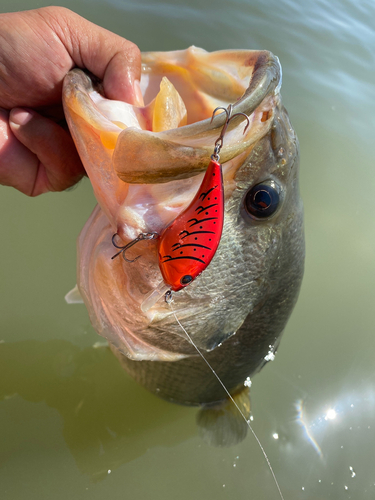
144	151
146	164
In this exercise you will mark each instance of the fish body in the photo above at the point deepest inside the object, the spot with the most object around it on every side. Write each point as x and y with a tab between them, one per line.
236	309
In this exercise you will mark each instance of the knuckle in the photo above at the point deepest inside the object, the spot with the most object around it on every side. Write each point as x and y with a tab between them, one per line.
133	53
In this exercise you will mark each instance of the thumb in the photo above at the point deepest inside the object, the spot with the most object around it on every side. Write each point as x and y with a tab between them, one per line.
122	77
108	56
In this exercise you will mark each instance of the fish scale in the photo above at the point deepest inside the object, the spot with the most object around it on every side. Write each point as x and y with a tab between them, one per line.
188	244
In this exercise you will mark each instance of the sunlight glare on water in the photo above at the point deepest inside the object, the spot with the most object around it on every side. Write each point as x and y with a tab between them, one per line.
73	425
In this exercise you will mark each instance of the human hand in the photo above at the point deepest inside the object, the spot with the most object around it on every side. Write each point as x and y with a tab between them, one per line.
37	49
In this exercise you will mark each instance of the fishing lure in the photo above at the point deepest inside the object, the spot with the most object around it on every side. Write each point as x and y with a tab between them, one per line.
188	244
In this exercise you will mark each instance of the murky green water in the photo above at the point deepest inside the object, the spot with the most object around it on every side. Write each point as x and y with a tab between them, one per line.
73	425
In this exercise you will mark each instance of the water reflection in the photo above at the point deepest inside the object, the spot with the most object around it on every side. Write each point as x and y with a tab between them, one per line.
107	420
302	420
341	434
328	89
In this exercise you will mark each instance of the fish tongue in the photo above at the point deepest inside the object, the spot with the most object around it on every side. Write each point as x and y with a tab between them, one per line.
169	109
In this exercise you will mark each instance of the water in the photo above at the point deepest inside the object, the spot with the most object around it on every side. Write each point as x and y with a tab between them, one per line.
73	425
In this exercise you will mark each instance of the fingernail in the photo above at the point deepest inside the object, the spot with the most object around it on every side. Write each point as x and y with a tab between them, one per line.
138	94
19	117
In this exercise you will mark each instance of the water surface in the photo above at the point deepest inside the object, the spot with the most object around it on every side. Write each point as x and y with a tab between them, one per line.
73	425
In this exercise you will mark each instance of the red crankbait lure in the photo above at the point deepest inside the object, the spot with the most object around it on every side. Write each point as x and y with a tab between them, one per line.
188	244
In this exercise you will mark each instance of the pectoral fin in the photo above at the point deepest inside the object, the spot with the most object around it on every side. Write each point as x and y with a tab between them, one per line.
74	296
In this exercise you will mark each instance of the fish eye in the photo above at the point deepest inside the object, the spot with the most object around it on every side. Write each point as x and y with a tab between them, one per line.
262	200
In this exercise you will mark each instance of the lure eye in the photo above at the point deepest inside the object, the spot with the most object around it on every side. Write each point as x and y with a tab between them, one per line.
262	200
185	280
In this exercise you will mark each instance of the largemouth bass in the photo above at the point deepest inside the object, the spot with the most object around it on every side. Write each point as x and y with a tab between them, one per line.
146	165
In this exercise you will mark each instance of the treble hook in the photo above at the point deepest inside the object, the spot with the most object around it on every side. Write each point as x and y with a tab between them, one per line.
220	141
140	237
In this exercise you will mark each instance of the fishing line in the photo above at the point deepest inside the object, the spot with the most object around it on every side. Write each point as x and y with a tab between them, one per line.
169	301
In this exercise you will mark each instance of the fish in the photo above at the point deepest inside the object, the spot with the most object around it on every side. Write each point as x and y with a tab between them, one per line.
146	164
